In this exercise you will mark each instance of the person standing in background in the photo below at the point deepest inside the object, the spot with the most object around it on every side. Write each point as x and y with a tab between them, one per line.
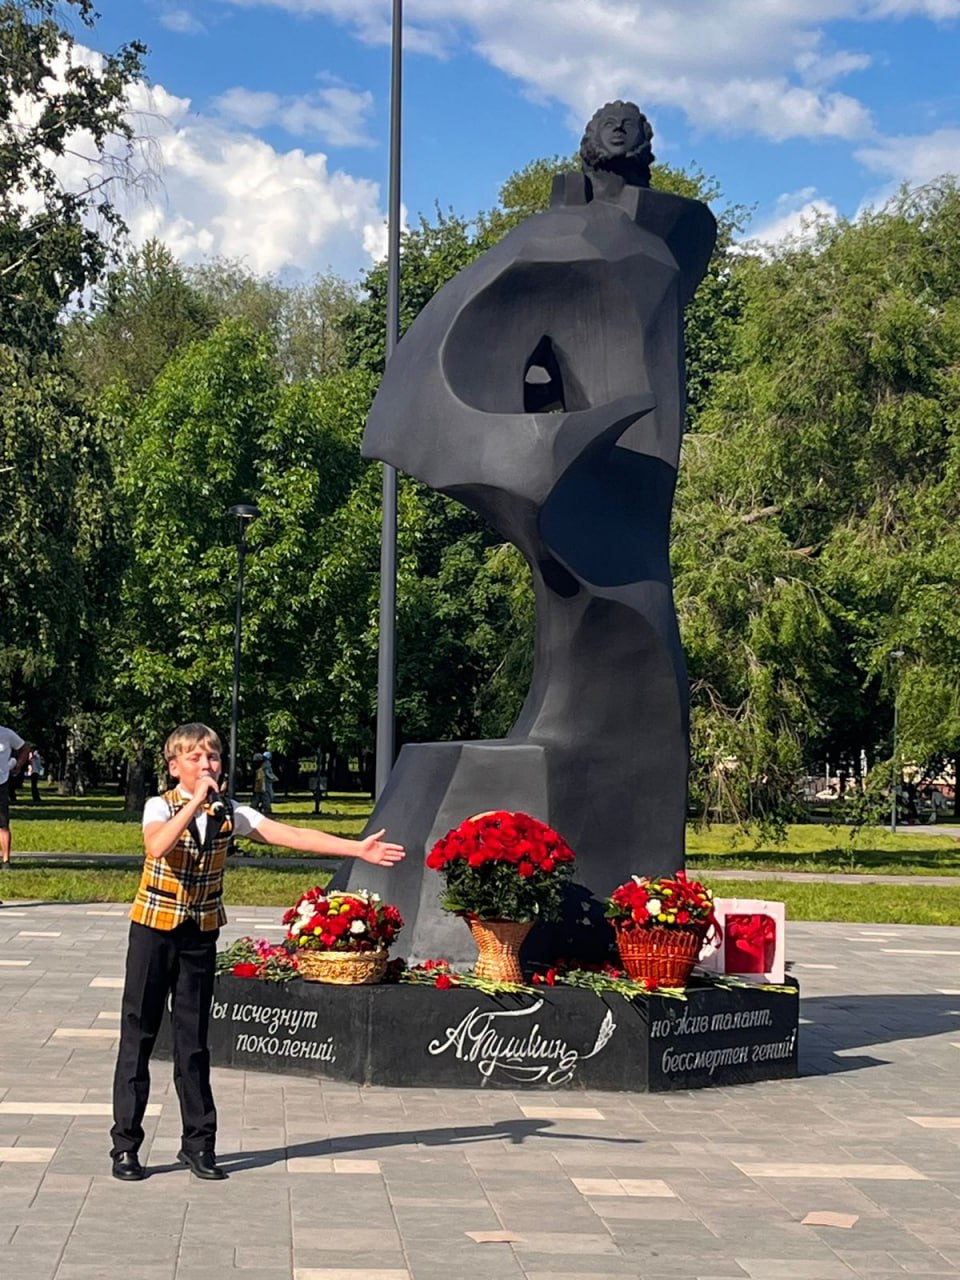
259	798
35	771
14	753
269	778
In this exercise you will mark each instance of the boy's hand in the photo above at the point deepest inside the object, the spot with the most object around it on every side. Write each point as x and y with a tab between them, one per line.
373	849
207	785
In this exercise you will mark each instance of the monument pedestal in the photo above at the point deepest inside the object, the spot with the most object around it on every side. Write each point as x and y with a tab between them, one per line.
411	1036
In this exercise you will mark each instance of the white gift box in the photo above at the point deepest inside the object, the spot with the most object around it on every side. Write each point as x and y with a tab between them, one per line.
753	946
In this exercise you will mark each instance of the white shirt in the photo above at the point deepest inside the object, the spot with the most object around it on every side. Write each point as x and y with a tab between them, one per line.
10	744
245	819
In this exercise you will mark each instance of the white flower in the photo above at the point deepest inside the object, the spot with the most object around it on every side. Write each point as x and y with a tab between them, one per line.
654	906
358	926
637	879
296	926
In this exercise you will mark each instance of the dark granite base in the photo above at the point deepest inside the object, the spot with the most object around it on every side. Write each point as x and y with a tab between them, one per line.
560	1038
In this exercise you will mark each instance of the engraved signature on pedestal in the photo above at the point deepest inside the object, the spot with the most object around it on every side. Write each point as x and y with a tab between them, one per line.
489	1039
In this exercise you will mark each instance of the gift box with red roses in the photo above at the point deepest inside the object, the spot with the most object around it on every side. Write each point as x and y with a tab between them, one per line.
753	946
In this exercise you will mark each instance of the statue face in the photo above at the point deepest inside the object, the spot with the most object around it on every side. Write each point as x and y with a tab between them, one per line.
619	131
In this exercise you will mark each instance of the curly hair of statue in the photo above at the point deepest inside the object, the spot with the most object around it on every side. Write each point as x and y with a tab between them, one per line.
635	164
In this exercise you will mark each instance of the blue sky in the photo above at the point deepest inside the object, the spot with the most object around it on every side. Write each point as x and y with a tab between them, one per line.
268	119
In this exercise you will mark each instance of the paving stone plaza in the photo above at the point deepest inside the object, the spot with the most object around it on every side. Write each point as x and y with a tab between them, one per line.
853	1170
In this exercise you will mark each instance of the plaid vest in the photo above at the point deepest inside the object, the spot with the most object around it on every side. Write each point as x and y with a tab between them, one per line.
187	882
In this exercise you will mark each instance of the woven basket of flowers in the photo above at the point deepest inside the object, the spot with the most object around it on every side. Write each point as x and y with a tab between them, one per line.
348	968
661	926
503	871
342	938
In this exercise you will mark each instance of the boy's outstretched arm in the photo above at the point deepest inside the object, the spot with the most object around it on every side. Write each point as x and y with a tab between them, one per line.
370	849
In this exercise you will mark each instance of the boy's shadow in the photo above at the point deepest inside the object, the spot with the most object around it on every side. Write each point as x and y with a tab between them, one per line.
514	1131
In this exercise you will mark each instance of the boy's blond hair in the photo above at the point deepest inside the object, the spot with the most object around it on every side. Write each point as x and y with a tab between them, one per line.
187	736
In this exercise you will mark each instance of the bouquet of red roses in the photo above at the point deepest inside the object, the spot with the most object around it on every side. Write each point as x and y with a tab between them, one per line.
357	921
503	866
665	903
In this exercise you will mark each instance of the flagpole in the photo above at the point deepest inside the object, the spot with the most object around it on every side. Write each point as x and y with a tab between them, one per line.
386	655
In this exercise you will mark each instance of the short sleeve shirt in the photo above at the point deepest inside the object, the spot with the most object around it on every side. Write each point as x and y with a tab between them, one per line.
10	744
245	819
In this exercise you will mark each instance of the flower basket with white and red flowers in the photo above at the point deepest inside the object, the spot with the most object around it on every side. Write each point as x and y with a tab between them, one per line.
503	871
342	937
661	925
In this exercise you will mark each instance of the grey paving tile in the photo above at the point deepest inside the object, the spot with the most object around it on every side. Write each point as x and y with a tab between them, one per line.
878	1032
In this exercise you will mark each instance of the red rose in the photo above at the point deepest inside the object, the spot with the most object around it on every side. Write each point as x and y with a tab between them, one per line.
526	869
443	981
245	970
547	865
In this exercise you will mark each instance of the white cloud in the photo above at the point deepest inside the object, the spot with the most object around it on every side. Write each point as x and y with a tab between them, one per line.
215	189
763	66
181	21
914	160
794	218
225	191
336	114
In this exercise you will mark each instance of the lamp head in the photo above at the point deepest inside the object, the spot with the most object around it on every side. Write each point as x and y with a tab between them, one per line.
244	511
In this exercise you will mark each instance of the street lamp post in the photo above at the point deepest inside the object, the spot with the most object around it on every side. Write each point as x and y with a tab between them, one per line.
896	655
244	512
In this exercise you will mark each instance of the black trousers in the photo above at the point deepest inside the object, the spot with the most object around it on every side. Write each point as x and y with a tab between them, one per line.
179	964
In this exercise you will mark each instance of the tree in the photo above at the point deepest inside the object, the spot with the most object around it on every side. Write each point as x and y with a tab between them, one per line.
303	321
58	541
142	314
56	105
60	109
818	504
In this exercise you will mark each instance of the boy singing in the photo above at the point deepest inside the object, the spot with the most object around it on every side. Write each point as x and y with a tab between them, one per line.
175	923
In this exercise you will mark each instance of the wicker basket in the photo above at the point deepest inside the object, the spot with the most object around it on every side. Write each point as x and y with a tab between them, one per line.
346	968
498	944
664	956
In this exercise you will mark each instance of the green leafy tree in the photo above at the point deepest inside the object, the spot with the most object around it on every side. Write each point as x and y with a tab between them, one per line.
54	239
304	321
817	506
141	315
58	539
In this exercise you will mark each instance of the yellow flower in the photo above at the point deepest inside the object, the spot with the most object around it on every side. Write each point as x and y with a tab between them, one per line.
666	890
662	915
671	918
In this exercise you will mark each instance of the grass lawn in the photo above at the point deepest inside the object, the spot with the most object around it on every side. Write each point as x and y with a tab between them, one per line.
97	824
816	847
852	903
243	884
250	886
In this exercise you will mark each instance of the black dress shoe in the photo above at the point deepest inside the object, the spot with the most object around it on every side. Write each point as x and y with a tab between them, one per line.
127	1167
203	1164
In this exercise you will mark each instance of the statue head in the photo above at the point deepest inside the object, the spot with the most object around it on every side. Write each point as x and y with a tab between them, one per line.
617	140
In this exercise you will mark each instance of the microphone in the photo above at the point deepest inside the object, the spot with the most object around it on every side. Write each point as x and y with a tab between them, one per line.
217	807
216	804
